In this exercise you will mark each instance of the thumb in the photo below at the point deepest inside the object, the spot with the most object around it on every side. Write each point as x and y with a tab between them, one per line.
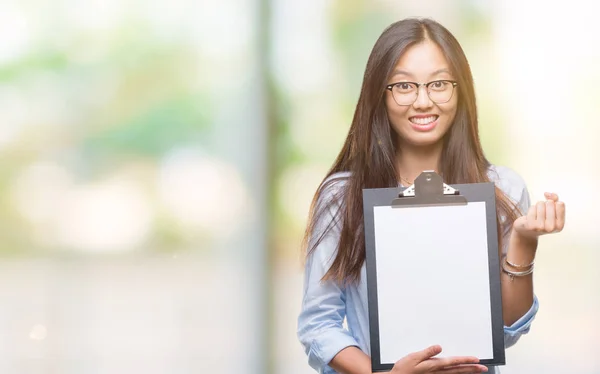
427	353
520	222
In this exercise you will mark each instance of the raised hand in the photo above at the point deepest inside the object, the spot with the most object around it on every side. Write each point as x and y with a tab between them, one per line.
545	217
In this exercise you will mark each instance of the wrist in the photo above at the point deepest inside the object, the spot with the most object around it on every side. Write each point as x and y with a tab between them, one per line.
523	242
521	249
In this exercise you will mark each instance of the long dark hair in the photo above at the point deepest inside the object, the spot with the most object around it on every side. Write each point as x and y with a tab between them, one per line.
369	150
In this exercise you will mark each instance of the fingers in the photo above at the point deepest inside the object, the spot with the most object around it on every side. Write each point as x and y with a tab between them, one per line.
550	222
531	215
463	370
426	354
555	213
546	217
540	215
560	215
434	364
454	361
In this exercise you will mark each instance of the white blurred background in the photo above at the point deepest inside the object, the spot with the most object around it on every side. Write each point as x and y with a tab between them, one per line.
157	161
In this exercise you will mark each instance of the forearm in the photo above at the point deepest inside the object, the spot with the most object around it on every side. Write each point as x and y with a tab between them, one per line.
517	293
351	360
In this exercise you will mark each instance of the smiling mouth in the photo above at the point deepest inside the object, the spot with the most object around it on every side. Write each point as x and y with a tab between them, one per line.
423	120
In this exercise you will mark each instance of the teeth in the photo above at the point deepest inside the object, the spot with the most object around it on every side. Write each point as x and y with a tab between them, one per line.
423	121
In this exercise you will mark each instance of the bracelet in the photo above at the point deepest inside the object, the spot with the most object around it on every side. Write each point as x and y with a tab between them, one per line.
518	266
514	274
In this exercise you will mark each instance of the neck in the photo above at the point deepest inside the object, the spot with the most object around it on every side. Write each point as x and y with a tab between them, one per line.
413	160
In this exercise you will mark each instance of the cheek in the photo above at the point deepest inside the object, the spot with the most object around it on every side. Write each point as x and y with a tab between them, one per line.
451	114
448	113
450	110
394	111
389	105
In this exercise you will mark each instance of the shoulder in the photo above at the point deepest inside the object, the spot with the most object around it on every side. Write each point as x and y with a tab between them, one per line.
334	186
327	214
509	181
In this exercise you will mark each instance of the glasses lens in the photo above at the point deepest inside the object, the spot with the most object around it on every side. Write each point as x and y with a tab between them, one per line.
404	93
440	91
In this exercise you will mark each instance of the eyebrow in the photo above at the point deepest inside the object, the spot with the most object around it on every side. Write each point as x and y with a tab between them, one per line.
402	72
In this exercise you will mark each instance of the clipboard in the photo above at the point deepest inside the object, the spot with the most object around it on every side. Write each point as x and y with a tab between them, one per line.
433	271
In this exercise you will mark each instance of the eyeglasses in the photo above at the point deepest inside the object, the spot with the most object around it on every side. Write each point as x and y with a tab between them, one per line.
406	93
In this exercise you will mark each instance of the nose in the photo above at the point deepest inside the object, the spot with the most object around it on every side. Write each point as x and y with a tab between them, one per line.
423	101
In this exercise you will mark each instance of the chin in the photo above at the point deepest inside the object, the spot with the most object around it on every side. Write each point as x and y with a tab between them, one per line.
423	140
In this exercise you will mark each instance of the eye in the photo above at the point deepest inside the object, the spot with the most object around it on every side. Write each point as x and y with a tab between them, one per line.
404	87
438	85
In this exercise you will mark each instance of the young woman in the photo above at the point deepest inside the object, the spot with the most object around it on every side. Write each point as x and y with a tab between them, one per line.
416	111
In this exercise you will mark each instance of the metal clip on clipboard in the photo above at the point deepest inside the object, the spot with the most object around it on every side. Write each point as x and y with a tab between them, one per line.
429	190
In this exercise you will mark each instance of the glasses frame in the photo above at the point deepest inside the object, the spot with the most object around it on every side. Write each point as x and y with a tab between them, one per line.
454	84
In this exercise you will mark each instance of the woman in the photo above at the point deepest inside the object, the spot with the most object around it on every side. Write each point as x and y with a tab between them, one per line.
416	111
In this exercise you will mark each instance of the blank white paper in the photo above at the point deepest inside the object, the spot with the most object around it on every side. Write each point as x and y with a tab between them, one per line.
433	282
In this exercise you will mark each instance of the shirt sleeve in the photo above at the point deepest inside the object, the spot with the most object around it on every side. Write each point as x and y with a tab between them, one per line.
320	323
517	190
513	332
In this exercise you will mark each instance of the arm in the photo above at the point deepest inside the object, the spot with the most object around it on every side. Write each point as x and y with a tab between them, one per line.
320	323
519	304
351	360
517	293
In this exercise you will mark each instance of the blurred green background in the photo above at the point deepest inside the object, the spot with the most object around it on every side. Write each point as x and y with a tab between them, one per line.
157	162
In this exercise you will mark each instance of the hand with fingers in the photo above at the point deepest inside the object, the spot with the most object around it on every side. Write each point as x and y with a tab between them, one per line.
545	217
425	362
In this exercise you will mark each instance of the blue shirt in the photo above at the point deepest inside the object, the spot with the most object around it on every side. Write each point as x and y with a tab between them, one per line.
334	317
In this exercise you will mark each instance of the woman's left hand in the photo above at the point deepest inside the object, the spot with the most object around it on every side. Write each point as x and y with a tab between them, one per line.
545	217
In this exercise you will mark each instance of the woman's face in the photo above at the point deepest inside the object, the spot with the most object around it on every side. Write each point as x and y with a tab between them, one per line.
421	122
